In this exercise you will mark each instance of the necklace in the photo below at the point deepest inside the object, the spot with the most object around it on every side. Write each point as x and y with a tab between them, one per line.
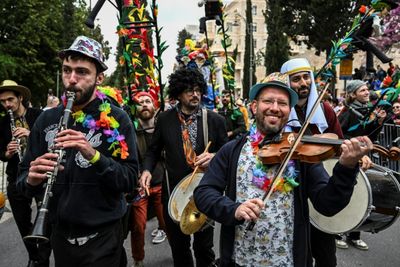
263	174
106	122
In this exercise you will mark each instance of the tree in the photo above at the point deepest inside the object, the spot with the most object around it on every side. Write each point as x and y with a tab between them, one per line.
32	34
117	78
319	23
277	49
248	59
182	36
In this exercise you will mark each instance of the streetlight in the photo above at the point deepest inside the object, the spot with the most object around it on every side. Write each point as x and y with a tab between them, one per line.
249	30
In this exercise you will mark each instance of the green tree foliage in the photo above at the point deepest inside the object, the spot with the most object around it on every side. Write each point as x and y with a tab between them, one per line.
117	78
249	58
182	36
31	35
277	49
320	22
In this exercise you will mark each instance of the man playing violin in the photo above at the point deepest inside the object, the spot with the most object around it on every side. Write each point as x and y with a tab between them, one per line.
301	80
232	187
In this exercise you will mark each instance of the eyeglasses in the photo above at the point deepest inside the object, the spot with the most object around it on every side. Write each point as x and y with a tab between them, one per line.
271	102
191	91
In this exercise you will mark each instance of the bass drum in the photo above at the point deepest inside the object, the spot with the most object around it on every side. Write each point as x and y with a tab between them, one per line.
373	207
181	195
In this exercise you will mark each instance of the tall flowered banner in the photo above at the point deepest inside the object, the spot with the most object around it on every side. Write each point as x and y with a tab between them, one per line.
143	63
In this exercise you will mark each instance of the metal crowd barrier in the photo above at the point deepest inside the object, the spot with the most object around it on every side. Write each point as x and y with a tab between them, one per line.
388	137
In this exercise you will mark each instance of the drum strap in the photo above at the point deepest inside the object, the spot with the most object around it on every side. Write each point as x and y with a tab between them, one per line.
166	172
205	125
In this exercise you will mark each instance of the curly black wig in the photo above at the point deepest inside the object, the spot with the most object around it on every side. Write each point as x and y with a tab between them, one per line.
183	79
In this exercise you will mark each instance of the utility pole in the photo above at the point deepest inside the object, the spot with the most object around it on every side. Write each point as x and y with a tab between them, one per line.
249	31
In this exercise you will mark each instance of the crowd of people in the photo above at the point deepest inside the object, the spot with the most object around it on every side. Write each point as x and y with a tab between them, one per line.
113	174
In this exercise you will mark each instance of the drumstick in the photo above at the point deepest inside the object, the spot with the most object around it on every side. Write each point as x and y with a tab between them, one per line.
146	188
197	167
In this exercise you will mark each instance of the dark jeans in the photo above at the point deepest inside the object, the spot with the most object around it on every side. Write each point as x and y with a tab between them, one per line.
323	248
104	250
22	213
203	242
354	236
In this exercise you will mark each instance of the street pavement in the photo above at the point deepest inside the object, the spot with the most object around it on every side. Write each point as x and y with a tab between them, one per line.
383	248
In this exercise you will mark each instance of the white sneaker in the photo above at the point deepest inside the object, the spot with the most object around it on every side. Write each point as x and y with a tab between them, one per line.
154	232
341	243
160	237
359	244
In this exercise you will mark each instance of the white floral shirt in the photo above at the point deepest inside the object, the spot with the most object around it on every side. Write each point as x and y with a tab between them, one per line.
270	243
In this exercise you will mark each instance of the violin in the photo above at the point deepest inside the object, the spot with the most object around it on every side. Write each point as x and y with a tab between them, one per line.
312	148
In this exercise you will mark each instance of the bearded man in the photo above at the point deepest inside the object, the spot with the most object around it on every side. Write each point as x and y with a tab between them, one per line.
231	189
99	167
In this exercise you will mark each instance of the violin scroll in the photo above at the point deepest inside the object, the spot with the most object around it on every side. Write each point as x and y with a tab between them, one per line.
392	153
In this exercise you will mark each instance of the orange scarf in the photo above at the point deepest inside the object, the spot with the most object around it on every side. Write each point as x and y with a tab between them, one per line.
187	144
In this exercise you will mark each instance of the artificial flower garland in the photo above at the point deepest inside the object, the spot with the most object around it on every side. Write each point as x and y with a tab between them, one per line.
109	124
262	175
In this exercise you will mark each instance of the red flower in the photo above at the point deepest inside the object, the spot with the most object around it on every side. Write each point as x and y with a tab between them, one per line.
104	121
362	9
266	184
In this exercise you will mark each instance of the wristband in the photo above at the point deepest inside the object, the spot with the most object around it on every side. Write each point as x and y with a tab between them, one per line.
95	158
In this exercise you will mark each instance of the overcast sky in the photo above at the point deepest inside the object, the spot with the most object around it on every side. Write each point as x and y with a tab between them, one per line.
173	16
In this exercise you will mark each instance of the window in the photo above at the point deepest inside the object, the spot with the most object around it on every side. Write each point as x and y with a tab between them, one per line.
254	10
254	44
254	27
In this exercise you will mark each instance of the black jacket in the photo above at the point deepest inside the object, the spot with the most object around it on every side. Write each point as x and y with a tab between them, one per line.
348	119
237	126
168	136
143	140
87	196
215	196
5	137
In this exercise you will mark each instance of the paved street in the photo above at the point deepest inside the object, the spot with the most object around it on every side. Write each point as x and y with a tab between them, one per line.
383	250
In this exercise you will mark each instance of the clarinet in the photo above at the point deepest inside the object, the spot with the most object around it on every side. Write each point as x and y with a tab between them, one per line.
39	233
13	128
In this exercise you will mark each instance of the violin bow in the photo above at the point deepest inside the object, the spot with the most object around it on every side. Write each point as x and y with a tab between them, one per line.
337	53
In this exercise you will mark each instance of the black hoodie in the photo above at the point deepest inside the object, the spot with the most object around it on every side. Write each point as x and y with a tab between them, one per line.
87	196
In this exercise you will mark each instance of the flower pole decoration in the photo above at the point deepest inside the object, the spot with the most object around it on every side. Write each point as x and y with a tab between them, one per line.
228	69
342	47
229	66
341	50
143	67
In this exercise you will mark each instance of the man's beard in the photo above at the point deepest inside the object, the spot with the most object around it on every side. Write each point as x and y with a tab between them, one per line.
304	94
146	114
85	95
264	127
191	106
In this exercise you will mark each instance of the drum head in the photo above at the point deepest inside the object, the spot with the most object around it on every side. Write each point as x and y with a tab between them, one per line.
181	194
353	214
